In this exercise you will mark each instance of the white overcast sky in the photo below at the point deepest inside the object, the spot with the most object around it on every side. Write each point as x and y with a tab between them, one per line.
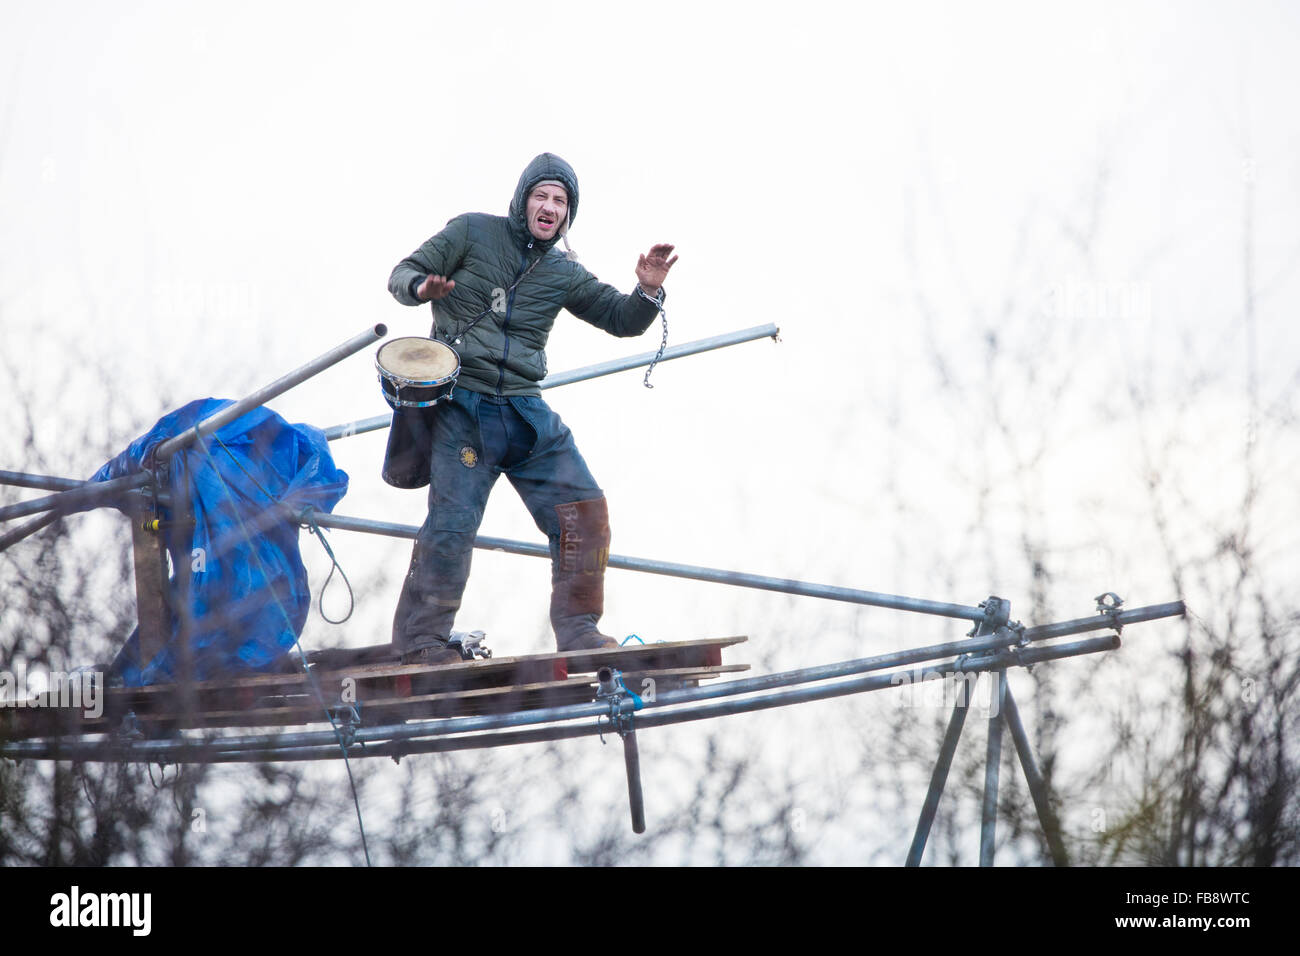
209	194
205	195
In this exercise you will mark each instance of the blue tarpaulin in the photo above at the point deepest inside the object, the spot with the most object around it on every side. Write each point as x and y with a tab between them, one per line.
248	593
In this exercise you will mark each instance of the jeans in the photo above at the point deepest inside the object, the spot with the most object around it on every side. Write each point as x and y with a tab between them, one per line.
477	437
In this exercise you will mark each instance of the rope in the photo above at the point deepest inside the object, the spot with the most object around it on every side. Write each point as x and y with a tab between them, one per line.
307	521
249	475
637	702
638	639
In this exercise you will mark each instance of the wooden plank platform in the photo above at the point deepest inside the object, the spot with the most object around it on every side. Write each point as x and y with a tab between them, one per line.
290	711
386	691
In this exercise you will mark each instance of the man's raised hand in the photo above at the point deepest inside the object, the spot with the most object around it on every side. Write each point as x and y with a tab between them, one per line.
652	268
434	287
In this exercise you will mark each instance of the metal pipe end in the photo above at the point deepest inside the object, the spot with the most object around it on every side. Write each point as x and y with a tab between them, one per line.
605	680
381	330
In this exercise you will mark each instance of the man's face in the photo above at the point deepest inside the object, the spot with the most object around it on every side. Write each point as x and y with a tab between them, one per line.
546	211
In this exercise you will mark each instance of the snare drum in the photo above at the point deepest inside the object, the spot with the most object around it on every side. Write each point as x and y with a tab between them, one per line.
416	372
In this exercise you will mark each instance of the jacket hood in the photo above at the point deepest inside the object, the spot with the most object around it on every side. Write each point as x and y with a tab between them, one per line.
543	167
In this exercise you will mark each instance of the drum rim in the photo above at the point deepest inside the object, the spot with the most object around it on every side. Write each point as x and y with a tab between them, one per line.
386	376
394	403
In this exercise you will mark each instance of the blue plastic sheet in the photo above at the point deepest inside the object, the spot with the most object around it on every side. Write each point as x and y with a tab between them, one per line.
248	593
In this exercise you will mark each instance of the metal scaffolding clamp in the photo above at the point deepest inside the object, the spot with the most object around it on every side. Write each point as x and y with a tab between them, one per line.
1108	606
610	688
997	616
997	613
347	718
1017	641
996	622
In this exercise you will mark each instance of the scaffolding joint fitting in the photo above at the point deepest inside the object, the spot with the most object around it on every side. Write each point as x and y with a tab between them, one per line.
997	612
1108	606
1018	630
347	718
610	688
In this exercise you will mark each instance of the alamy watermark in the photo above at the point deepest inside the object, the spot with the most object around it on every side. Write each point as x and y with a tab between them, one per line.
81	690
949	689
227	299
1081	299
130	910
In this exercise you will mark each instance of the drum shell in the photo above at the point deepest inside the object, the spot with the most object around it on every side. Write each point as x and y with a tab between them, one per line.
408	457
401	395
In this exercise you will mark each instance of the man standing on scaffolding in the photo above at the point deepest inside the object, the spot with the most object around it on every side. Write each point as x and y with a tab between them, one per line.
496	285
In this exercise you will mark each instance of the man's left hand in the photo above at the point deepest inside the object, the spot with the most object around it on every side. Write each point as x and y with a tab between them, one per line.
652	268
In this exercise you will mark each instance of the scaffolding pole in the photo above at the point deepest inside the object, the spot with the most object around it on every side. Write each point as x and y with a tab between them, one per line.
714	575
587	372
667	708
938	778
992	769
23	479
1037	786
83	497
263	395
981	613
27	528
75	495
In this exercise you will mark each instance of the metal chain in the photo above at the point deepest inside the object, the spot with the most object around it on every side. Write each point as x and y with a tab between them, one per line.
663	314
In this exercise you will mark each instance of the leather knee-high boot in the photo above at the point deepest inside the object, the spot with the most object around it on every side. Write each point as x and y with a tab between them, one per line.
430	597
578	575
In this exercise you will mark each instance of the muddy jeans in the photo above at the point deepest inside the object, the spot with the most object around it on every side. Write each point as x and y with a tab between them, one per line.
477	437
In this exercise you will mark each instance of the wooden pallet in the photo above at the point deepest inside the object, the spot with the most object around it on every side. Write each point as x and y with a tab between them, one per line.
384	691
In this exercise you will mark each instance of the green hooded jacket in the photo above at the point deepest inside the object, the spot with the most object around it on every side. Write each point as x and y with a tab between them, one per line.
502	334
